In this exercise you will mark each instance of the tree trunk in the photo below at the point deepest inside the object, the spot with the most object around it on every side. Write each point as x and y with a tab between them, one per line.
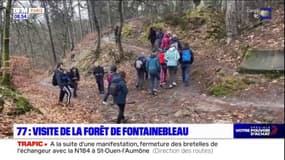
224	6
80	20
110	14
1	38
90	18
231	20
30	42
96	23
70	24
121	51
49	32
5	51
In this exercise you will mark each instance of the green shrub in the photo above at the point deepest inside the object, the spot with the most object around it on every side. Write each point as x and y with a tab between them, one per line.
127	31
227	86
22	105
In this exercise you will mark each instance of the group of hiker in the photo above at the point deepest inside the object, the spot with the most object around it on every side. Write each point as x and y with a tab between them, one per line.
162	64
67	81
160	68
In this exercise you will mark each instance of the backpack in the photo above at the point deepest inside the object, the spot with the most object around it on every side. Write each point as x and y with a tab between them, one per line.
152	66
54	81
139	64
186	55
161	58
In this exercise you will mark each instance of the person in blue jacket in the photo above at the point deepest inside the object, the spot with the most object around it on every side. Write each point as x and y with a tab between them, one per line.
153	68
121	96
63	82
171	57
186	60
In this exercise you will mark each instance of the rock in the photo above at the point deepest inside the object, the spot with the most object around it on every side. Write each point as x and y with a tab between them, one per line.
178	113
204	95
274	81
235	74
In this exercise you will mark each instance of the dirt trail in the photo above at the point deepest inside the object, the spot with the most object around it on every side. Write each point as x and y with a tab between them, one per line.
177	105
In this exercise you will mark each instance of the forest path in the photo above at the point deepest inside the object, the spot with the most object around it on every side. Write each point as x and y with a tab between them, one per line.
177	105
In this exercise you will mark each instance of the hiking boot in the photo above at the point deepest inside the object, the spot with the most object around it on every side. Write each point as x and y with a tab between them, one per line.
125	120
105	103
174	84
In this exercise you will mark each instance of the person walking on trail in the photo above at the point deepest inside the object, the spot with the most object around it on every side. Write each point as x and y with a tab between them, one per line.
116	34
62	80
75	77
175	41
112	72
165	41
187	59
159	36
98	72
140	66
153	68
172	56
119	91
163	66
152	36
158	39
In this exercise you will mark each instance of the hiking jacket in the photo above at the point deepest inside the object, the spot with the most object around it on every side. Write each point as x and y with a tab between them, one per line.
61	78
74	76
122	89
172	56
98	71
165	42
176	42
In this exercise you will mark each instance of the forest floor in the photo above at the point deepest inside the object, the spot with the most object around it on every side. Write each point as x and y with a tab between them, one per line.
260	103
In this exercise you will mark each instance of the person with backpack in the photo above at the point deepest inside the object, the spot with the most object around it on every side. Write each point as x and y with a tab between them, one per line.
98	72
163	66
61	79
113	72
152	36
153	68
139	64
175	41
75	77
119	91
187	59
172	56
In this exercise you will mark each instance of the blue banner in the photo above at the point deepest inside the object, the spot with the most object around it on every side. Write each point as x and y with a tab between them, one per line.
258	130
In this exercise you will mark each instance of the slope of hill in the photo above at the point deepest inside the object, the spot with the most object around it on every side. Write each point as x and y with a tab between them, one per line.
255	98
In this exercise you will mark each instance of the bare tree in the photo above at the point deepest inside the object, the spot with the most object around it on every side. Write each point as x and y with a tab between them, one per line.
231	20
121	51
49	31
80	20
5	51
96	23
1	8
109	14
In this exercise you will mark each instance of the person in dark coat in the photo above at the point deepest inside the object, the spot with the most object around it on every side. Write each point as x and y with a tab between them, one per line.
116	34
152	36
63	82
98	72
120	98
75	77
